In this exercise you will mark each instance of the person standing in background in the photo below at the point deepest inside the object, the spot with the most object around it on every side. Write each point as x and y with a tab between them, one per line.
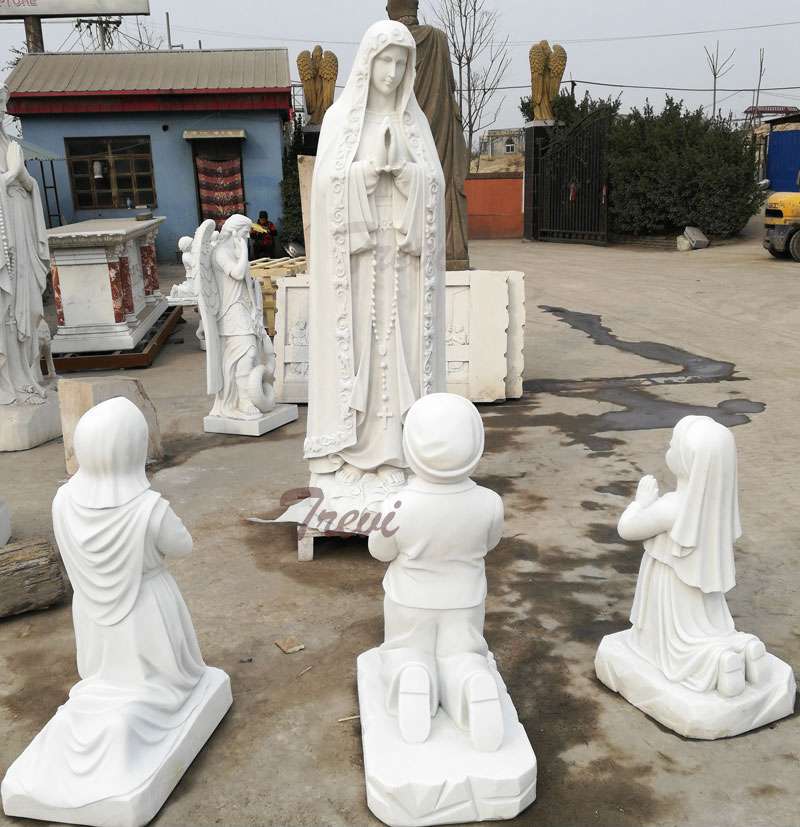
264	238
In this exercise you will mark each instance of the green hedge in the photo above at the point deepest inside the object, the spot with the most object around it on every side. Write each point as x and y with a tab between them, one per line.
292	219
673	169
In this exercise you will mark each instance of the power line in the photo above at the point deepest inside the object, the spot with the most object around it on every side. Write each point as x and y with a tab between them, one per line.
639	86
608	39
676	34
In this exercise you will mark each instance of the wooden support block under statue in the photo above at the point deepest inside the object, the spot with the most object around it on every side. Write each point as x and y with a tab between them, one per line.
106	284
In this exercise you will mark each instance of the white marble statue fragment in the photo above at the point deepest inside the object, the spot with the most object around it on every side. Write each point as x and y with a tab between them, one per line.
146	702
442	740
240	359
376	316
28	415
682	661
186	291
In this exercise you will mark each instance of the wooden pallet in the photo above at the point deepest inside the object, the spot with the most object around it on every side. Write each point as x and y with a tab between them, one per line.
142	356
267	271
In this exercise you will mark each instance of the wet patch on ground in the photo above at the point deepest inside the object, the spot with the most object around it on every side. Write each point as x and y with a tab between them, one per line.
503	485
179	448
619	488
45	673
556	695
637	408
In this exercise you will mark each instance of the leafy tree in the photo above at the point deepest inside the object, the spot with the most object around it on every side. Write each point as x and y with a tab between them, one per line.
671	169
676	168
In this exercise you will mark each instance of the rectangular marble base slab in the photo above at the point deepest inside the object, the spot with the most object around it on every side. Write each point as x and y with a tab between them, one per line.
445	780
704	715
139	807
101	337
25	426
278	416
183	301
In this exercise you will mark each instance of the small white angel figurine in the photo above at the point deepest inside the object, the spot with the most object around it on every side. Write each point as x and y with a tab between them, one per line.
240	357
681	624
187	289
146	701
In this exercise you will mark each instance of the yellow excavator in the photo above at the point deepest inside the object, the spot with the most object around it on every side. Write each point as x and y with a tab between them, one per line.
782	224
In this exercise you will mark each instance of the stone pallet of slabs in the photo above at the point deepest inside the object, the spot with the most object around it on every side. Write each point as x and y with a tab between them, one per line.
267	271
485	336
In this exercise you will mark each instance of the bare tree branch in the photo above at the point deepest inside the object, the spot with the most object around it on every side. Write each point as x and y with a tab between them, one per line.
718	70
479	60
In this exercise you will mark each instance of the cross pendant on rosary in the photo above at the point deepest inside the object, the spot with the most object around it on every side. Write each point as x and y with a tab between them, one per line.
385	415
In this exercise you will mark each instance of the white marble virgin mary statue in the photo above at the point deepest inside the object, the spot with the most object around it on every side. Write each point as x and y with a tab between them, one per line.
24	264
376	317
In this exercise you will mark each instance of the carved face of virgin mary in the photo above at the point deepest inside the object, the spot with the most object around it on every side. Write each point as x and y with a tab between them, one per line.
388	70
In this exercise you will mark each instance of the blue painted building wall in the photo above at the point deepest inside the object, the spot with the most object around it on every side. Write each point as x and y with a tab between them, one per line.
783	161
176	190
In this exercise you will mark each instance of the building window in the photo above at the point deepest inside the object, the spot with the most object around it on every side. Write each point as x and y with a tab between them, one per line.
511	147
111	173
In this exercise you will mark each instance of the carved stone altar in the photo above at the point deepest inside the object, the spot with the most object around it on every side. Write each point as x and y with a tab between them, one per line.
106	283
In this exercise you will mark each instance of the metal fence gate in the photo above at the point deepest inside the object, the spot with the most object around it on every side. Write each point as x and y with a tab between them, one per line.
571	184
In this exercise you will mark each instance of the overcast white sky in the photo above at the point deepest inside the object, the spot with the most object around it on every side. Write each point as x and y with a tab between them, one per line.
665	61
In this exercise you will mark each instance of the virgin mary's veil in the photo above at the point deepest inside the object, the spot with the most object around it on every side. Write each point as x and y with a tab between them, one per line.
331	418
111	449
708	521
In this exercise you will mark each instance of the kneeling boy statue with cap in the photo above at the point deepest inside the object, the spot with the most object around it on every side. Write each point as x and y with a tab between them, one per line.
434	709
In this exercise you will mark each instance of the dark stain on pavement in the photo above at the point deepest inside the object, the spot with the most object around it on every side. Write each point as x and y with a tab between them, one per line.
637	407
619	488
181	447
46	672
611	788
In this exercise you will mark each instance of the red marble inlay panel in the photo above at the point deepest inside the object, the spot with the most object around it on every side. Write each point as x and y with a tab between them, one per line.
117	292
149	269
127	287
57	295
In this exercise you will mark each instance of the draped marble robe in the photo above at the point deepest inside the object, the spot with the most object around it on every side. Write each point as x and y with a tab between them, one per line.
681	621
374	229
24	264
138	658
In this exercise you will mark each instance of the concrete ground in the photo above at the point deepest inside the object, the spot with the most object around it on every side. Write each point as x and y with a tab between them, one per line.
620	343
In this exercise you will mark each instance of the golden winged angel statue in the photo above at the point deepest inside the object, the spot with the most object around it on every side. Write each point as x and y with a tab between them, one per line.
547	70
318	71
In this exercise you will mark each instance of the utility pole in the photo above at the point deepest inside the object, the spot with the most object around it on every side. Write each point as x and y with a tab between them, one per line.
34	39
761	70
170	44
100	29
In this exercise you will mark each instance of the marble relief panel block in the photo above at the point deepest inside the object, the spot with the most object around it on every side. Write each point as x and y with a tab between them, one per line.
485	329
291	340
